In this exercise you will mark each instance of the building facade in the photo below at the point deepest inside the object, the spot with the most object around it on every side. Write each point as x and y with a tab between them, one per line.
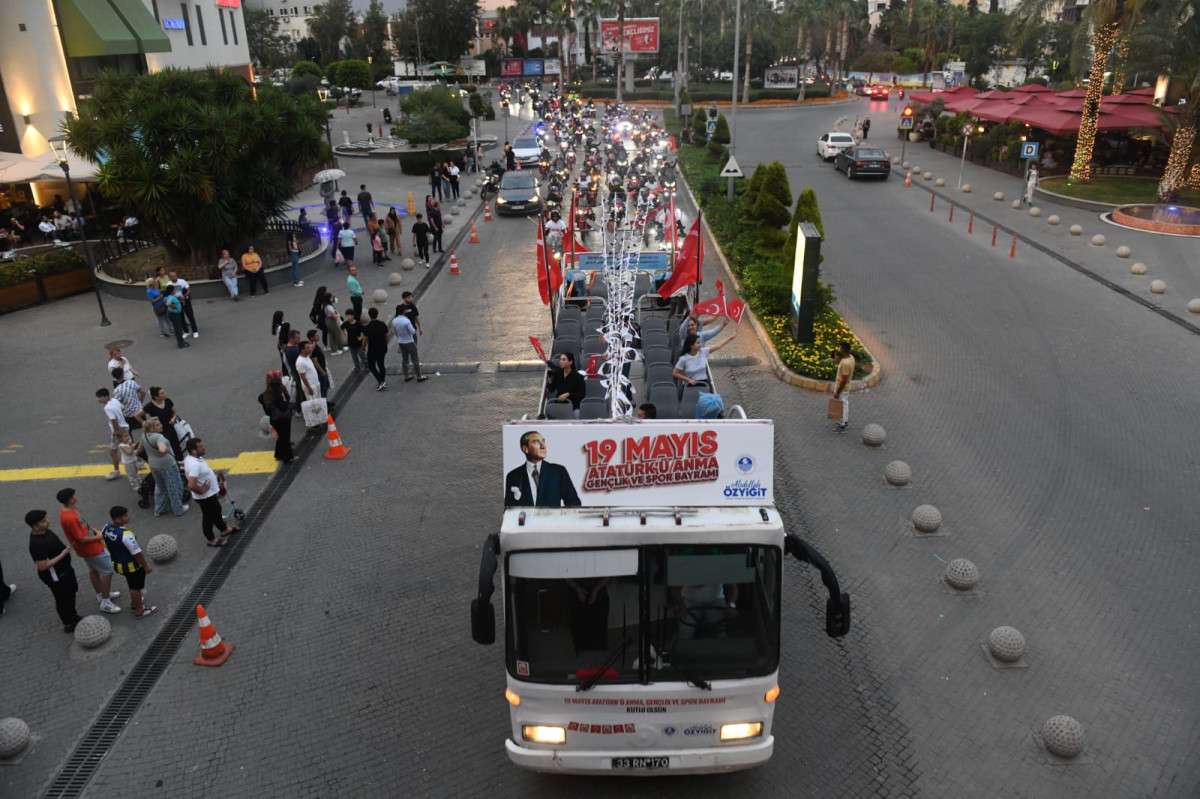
52	50
292	16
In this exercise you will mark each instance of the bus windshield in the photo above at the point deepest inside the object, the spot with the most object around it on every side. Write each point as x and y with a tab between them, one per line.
689	613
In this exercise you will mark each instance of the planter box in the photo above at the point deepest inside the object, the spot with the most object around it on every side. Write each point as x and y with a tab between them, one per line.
66	284
22	295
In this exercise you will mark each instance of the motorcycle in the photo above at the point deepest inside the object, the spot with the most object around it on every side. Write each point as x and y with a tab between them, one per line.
491	179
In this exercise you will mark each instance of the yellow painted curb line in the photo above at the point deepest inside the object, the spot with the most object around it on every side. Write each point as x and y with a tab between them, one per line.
256	462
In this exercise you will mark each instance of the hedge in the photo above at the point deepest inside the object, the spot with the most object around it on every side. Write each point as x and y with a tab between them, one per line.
420	162
51	263
668	95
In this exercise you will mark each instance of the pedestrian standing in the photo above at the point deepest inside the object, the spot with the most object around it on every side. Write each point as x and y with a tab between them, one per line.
346	205
435	180
366	205
228	269
318	358
316	314
376	333
175	314
346	241
293	251
281	331
406	337
115	418
355	289
183	290
127	558
1031	182
510	157
53	562
168	487
377	248
333	324
117	358
159	306
291	353
6	590
409	308
277	405
306	370
252	265
420	234
353	328
435	225
159	406
452	172
89	545
333	225
866	128
129	394
205	487
129	450
841	383
394	228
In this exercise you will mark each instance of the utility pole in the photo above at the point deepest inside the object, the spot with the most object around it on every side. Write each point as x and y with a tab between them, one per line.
737	30
678	62
620	48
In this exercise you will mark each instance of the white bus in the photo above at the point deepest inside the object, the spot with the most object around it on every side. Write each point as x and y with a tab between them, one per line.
641	584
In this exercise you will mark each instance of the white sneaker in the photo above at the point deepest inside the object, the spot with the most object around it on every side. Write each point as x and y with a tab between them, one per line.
12	588
108	607
298	285
113	475
195	334
185	508
114	594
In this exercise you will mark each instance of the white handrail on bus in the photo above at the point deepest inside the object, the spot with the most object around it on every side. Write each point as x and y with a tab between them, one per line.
740	410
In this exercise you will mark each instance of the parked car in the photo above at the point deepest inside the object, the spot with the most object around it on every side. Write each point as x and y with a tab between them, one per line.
863	161
518	193
832	143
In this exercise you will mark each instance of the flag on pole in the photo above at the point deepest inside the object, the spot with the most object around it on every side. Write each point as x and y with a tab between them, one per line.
735	309
685	272
537	345
714	306
543	270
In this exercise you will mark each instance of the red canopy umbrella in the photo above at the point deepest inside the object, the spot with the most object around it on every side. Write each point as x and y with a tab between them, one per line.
963	90
1127	99
997	111
1055	120
1072	93
993	94
960	104
925	98
1031	88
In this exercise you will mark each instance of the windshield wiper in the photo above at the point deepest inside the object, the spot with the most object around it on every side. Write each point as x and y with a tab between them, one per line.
611	659
699	682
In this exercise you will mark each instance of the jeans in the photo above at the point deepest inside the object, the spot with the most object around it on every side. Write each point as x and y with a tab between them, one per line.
210	516
295	256
356	301
423	250
454	187
845	400
437	240
408	352
257	278
231	285
435	189
168	491
177	325
164	324
64	595
375	362
191	316
358	357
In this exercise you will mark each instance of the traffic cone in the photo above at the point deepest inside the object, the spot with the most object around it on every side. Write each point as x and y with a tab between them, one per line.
454	270
908	180
487	213
474	234
410	205
337	450
213	651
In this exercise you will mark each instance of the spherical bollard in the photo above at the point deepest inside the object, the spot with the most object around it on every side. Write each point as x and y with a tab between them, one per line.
999	195
379	296
407	264
1138	268
1158	287
927	176
896	161
873	435
1193	305
1052	219
916	170
926	518
897	473
162	548
940	182
1098	240
14	737
461	203
905	165
1016	204
1063	736
961	574
966	188
92	631
1035	211
1076	230
455	211
1124	252
1006	644
395	279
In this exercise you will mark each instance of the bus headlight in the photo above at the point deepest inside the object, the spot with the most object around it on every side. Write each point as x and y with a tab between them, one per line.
548	733
741	731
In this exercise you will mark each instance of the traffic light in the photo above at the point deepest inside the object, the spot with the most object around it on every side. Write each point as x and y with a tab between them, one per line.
907	112
712	112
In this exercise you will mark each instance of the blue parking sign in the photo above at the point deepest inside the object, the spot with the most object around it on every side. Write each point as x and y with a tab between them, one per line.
1029	151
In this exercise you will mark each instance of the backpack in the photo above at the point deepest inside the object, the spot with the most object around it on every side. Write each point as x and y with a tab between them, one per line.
709	406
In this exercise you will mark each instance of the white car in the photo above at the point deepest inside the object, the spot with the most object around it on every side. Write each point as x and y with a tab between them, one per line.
526	150
830	144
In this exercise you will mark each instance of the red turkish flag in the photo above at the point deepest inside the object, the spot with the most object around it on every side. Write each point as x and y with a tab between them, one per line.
537	345
543	270
714	306
720	287
735	309
686	271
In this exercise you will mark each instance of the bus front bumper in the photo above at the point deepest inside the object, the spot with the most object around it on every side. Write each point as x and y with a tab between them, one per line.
705	760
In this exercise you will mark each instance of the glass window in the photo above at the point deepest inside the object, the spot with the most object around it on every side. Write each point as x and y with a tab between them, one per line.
200	25
525	144
517	180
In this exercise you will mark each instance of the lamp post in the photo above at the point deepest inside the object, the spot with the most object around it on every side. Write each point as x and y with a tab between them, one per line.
371	63
58	145
323	94
737	32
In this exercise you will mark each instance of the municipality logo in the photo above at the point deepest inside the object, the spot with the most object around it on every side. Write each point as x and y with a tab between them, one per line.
745	464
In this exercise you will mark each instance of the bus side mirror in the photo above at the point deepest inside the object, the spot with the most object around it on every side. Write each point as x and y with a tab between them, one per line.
483	621
837	615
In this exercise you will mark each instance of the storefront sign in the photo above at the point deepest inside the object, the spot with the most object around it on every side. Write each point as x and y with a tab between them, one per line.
532	67
512	67
680	463
173	24
473	66
229	3
552	66
641	35
781	78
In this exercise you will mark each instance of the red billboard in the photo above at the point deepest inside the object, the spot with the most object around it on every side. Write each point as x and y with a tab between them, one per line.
512	67
641	35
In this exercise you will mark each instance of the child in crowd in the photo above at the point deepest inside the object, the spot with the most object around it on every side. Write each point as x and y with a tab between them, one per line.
127	558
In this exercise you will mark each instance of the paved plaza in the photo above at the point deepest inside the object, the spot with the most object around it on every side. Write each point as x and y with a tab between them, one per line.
1044	413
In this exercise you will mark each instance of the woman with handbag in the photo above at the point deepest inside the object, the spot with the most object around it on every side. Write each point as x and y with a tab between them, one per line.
277	405
333	324
316	314
158	303
161	408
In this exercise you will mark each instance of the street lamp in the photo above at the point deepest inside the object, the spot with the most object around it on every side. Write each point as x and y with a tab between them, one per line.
58	145
323	94
371	63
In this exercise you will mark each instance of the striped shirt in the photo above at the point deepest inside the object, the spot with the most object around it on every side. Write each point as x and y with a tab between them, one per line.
127	395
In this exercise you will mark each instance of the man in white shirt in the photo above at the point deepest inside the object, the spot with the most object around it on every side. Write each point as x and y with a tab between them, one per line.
306	370
49	231
406	337
205	486
183	290
118	428
115	359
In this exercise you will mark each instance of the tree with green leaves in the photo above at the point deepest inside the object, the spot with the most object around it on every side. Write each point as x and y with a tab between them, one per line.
196	155
434	116
307	68
268	47
436	30
807	210
373	35
330	23
351	73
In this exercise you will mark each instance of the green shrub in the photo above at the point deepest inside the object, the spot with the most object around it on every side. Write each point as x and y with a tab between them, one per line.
54	262
699	131
768	211
307	68
420	162
477	105
807	210
722	132
753	186
439	99
775	183
716	150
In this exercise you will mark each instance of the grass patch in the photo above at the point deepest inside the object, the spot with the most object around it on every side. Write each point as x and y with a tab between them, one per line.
1115	190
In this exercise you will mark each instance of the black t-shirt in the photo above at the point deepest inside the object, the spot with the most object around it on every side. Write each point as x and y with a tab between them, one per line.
409	309
376	332
420	231
354	332
46	546
346	202
291	353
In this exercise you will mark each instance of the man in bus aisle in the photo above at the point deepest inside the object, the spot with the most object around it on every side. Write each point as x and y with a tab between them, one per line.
127	558
202	481
52	559
89	545
536	482
420	234
375	334
841	384
406	337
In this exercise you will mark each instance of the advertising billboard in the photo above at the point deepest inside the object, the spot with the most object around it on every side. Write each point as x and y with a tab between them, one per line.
647	260
533	66
638	464
641	35
473	66
511	67
552	66
781	78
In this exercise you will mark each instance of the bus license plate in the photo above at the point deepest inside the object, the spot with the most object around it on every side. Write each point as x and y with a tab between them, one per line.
640	763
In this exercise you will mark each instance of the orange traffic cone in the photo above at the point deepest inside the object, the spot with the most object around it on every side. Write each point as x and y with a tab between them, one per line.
454	270
474	234
213	651
908	180
337	450
487	213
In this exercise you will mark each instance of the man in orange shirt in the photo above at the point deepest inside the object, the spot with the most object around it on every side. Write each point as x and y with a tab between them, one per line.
253	266
88	544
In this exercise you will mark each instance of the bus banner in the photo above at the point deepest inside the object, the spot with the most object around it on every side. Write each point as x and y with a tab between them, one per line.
555	464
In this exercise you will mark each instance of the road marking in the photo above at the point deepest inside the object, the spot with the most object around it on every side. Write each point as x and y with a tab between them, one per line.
254	462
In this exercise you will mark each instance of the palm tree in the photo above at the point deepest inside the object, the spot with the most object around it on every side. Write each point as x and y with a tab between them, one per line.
504	28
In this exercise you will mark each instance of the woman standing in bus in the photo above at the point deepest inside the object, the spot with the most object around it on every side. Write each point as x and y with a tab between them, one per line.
692	366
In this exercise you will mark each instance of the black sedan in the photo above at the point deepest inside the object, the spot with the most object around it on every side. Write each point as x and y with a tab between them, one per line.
519	193
862	160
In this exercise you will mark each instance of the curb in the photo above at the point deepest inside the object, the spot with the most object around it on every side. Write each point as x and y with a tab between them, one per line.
1074	202
778	368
